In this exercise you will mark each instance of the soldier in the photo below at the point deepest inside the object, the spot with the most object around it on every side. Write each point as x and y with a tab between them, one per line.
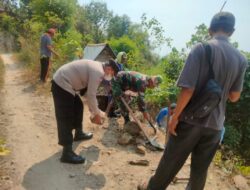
136	82
122	60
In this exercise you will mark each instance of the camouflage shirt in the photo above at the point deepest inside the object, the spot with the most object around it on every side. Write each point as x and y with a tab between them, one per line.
129	80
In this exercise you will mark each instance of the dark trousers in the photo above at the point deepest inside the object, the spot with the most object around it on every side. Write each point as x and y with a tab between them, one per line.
69	113
44	68
202	143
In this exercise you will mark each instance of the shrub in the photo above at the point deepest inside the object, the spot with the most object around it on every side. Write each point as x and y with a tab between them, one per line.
68	46
3	150
232	137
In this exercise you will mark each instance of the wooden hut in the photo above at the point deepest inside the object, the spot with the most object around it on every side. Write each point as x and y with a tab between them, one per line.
98	52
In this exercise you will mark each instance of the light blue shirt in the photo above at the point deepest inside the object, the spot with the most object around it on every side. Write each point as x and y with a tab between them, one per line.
45	42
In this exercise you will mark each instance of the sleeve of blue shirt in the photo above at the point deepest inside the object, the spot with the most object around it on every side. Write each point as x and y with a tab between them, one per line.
163	113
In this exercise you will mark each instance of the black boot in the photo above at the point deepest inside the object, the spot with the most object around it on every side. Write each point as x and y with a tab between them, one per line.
79	135
68	156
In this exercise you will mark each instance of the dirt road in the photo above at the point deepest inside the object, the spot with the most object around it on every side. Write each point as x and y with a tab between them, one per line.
34	161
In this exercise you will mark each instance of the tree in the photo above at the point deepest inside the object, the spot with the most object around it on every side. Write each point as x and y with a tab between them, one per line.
129	46
118	26
173	64
54	13
155	30
123	44
9	6
83	25
141	38
98	15
201	35
8	24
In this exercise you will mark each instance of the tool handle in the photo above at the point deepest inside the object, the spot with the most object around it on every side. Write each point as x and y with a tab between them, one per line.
136	120
109	106
153	126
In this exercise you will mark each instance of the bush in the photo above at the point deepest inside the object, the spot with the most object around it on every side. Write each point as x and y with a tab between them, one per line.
238	116
30	44
173	64
68	47
232	137
3	150
129	46
8	24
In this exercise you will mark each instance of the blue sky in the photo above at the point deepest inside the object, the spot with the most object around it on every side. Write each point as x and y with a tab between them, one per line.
180	17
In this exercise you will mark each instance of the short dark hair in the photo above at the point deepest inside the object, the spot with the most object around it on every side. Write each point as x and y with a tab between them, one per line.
222	21
173	106
113	64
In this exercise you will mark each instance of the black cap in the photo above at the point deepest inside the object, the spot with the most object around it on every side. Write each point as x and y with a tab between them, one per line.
113	64
224	21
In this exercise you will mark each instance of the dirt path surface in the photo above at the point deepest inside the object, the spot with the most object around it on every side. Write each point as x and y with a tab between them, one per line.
34	161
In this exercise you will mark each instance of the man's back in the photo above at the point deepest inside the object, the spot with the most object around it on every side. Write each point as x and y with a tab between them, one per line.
228	66
200	137
79	74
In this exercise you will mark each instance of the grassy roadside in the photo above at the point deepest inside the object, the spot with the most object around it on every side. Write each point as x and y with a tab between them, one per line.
1	72
3	150
5	170
31	74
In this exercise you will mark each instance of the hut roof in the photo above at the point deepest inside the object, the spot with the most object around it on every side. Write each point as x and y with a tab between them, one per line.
91	51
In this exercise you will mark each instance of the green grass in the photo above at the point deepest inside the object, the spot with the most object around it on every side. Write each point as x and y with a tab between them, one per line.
231	163
3	150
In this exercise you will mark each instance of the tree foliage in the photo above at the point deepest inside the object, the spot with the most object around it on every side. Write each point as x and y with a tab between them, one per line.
201	35
238	115
98	14
173	64
156	31
54	13
118	26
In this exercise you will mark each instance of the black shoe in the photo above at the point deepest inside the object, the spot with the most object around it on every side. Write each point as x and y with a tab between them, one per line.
80	136
72	158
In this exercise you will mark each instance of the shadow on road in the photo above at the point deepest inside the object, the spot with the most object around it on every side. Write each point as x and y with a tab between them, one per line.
50	174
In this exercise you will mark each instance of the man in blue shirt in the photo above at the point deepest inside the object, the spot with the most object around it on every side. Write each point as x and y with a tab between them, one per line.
161	118
46	50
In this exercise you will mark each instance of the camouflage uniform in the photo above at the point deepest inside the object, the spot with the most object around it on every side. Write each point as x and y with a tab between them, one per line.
129	80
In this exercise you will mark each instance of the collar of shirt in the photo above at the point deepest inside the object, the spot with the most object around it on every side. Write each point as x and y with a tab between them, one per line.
221	37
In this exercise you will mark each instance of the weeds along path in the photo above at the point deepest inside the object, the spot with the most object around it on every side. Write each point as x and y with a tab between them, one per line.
34	159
